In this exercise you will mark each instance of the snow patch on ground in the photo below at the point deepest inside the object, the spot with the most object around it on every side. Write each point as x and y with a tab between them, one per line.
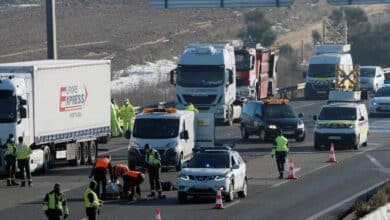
135	75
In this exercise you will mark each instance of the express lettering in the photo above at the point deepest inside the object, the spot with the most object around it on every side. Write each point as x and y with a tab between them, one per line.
75	99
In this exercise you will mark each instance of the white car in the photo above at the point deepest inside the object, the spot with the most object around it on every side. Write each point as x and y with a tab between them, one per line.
380	103
371	78
212	168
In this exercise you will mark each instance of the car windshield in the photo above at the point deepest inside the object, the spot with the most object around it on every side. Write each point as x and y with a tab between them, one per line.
201	76
387	78
321	70
367	72
242	61
275	111
338	113
210	160
156	128
383	92
8	106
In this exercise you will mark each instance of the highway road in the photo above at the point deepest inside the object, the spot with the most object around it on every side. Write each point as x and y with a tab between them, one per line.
322	191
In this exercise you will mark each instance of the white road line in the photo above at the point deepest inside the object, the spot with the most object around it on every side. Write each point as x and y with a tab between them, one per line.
131	202
279	184
335	206
375	161
232	204
111	151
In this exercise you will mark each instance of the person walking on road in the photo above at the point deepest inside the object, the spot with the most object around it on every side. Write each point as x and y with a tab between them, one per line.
116	130
280	149
55	205
92	202
153	166
127	113
191	107
10	159
99	172
23	153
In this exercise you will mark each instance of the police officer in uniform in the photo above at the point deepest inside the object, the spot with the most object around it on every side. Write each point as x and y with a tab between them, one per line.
92	202
23	153
153	165
54	204
280	150
10	159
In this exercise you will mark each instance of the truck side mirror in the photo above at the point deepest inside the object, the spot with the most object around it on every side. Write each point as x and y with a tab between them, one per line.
23	112
231	77
314	117
23	102
184	135
172	77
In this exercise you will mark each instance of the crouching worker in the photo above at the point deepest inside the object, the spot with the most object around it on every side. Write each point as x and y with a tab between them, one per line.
132	179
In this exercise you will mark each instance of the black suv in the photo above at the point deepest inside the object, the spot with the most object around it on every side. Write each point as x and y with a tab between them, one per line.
263	118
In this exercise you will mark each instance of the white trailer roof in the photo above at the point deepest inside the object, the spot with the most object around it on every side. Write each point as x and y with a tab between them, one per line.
46	64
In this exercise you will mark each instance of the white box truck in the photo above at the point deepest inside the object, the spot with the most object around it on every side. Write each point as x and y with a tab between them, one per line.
60	107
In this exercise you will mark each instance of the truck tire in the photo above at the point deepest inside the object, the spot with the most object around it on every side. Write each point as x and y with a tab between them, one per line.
230	117
92	152
47	160
77	160
84	152
179	165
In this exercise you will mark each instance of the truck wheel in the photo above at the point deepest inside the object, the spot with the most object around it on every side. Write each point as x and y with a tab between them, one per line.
230	117
84	153
77	160
180	162
46	161
92	151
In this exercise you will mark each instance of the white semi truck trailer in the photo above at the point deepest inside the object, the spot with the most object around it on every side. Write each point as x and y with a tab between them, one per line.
60	107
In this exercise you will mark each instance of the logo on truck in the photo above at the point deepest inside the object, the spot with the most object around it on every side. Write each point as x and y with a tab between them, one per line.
73	97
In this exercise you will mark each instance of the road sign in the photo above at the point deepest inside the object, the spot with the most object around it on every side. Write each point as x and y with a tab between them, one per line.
218	3
357	2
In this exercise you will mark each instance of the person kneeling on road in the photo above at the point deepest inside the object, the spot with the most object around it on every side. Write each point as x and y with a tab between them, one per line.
54	204
153	165
280	149
132	179
92	202
99	172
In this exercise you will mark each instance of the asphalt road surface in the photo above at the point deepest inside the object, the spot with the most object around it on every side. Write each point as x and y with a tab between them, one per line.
323	190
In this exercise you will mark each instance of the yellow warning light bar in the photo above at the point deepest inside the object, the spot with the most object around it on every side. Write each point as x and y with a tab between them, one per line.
276	101
166	110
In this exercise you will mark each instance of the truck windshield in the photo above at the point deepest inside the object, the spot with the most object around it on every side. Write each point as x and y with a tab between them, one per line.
383	92
338	113
367	72
201	76
156	128
321	70
387	78
275	111
210	160
243	62
7	106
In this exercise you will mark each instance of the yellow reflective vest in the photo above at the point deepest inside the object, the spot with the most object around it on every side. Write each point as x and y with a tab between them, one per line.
153	158
281	145
96	202
191	107
55	201
23	151
11	150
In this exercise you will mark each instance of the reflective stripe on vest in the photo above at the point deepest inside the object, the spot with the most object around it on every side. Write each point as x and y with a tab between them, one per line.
102	163
56	203
132	173
95	203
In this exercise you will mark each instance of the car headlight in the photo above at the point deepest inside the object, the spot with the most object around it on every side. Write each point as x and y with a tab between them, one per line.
220	178
184	177
374	103
272	127
301	126
351	126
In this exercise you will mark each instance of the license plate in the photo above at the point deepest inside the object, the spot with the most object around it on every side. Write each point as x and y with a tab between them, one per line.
61	154
334	137
288	132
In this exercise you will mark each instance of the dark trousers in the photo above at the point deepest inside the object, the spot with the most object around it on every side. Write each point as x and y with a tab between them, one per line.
133	183
280	160
53	214
100	177
154	179
11	167
91	213
24	167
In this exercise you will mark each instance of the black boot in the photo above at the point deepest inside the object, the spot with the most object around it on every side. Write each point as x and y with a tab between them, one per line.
23	184
281	175
29	183
9	183
14	183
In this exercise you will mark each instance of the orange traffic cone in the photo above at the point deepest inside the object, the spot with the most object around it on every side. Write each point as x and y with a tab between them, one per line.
218	200
291	171
332	154
158	214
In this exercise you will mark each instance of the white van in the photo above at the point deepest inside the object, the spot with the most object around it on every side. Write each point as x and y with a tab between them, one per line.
371	78
171	132
321	71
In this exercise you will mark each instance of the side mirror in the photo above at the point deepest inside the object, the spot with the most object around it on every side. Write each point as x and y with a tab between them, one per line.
315	118
300	115
184	135
23	102
172	76
231	77
362	118
23	112
235	167
304	74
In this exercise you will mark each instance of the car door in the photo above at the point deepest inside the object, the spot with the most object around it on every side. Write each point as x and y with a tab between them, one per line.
241	171
235	172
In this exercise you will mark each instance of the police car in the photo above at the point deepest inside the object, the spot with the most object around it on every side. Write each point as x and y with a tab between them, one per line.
212	168
264	118
343	121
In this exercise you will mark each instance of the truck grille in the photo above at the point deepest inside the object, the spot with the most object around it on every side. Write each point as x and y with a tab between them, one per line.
203	99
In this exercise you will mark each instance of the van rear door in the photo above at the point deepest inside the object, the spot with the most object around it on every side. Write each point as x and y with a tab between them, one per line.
204	130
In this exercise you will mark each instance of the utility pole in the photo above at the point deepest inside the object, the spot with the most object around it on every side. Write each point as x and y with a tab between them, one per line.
51	29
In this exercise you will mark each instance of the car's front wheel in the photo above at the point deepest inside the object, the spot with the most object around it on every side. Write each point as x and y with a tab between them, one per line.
230	195
244	192
182	197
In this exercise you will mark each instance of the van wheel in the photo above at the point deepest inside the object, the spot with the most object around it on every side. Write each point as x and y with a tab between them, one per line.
92	151
357	146
179	165
182	197
244	133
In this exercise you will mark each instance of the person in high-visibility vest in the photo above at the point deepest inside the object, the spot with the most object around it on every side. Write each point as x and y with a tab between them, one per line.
119	169
127	113
10	159
92	202
55	205
23	153
99	171
132	179
153	165
191	107
116	130
280	150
